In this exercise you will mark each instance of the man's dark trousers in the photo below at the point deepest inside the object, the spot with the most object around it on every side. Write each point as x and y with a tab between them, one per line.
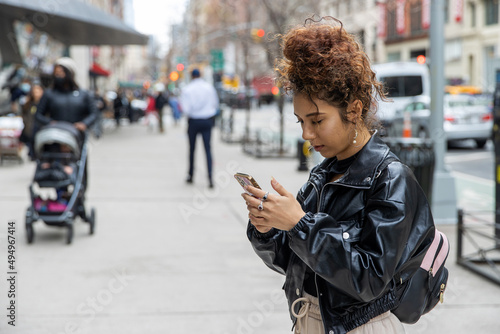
203	126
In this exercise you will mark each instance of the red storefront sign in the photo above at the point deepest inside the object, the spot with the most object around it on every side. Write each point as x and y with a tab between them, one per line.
459	10
382	22
400	16
426	14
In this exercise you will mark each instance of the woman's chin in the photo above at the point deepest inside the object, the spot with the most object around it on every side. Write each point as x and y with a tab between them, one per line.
326	155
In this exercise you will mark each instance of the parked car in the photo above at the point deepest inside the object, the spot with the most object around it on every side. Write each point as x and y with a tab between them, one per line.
465	117
237	98
137	109
404	82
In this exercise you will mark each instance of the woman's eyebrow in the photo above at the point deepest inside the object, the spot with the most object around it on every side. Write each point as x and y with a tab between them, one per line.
312	114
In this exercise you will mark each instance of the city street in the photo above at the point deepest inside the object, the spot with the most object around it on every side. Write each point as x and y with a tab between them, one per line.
473	170
172	257
168	257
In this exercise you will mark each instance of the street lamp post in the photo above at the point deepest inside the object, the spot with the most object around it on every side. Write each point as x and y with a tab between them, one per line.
444	204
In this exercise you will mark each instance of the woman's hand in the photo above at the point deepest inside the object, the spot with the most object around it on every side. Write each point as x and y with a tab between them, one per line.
280	211
80	126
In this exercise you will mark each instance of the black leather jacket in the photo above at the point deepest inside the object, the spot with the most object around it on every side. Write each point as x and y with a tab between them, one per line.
357	234
70	106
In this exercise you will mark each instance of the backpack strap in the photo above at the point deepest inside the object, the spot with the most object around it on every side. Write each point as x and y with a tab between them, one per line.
386	162
435	256
383	165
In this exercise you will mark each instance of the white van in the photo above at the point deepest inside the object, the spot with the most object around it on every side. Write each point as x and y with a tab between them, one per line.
405	82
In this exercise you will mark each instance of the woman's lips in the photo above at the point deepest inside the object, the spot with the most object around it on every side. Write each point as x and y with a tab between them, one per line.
318	147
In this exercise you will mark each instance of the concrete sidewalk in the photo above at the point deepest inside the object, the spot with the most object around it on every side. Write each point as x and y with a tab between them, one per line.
173	258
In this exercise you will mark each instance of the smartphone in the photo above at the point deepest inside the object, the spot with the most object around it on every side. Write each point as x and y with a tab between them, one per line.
245	179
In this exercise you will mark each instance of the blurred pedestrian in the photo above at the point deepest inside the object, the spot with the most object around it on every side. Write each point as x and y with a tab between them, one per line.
14	85
118	106
160	101
66	101
151	112
173	101
131	110
101	106
362	219
28	112
199	102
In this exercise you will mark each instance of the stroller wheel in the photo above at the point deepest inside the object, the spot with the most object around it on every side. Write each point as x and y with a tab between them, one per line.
69	236
30	234
92	221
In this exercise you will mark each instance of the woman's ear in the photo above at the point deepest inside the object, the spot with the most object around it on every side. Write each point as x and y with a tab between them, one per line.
355	109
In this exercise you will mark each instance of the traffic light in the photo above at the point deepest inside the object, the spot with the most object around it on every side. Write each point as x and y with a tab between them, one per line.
174	76
179	73
257	34
421	59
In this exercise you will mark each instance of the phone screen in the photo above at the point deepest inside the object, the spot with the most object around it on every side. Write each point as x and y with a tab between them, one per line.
245	179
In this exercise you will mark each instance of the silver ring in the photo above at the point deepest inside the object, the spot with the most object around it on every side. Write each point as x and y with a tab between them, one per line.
265	196
261	206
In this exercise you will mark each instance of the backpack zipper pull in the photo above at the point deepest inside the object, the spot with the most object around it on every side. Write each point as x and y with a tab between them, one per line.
441	293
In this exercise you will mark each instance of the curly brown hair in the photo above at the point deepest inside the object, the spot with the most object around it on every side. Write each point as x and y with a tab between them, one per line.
322	61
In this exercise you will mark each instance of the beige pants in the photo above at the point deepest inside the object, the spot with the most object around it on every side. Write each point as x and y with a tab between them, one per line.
309	320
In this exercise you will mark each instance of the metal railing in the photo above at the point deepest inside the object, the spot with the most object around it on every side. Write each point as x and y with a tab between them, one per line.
478	249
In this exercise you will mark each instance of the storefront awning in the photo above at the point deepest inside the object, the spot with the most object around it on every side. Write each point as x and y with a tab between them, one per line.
97	71
72	22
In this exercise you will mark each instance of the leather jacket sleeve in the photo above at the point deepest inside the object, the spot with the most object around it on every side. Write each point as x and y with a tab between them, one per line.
362	261
272	247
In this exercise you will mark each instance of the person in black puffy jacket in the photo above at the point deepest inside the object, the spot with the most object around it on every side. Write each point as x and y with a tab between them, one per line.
361	219
65	101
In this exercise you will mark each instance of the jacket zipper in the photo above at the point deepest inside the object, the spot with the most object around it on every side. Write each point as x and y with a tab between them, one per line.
321	194
317	194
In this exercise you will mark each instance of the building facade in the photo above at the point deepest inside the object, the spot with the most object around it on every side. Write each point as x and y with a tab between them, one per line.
389	30
472	37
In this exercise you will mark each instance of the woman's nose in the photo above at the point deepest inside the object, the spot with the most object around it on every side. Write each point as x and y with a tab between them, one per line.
308	133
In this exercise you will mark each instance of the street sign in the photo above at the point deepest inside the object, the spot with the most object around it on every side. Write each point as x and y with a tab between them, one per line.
217	59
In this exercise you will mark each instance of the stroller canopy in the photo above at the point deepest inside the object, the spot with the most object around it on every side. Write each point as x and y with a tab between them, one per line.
58	133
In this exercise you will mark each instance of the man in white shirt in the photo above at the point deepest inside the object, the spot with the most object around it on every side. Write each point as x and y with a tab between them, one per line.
199	102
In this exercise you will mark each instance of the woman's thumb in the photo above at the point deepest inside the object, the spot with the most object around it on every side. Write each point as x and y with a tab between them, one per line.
278	187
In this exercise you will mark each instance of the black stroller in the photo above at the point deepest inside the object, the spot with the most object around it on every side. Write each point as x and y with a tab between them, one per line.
61	155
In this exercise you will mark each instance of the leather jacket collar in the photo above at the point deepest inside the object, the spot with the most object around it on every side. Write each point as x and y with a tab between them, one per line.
363	171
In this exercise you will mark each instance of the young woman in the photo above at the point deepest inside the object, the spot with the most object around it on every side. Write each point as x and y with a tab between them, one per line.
361	218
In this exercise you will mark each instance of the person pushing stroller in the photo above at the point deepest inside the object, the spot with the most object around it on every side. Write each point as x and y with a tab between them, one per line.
64	115
66	101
